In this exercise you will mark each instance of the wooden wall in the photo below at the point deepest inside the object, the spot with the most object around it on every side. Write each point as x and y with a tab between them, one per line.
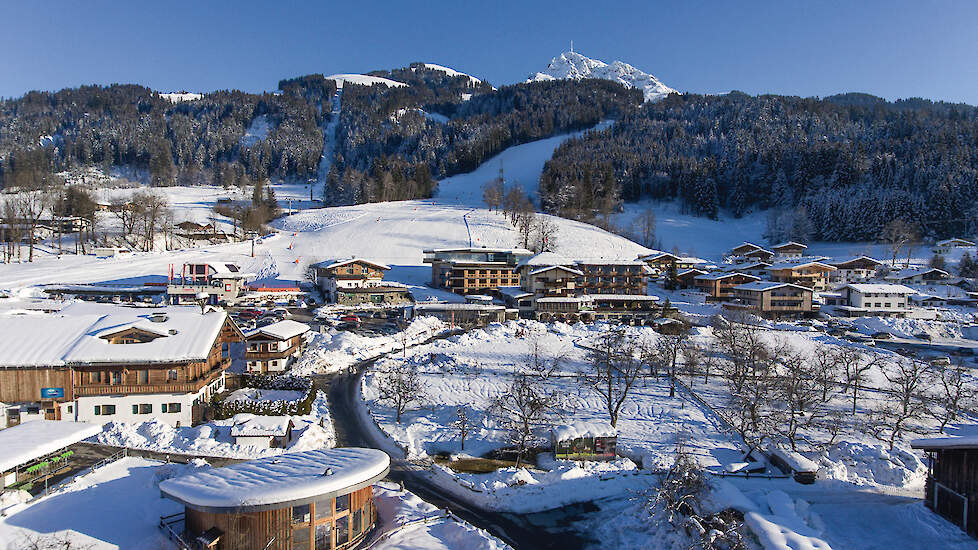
25	384
957	469
248	531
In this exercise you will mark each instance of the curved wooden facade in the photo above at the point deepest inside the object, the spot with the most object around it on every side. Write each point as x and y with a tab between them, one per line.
332	523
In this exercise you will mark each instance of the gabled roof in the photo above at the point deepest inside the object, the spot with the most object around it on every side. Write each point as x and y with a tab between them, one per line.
658	256
552	267
282	330
543	259
751	265
789	244
75	335
686	272
331	264
795	265
910	272
956	242
717	275
747	245
258	426
840	264
758	251
963	442
880	288
767	285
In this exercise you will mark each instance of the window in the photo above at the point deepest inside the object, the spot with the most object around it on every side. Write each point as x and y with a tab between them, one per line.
143	377
324	509
300	514
274	363
95	377
171	375
171	407
357	522
70	409
322	536
342	529
342	503
116	377
104	410
142	408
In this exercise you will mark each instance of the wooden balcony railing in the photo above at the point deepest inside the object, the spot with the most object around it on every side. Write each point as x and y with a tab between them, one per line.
166	387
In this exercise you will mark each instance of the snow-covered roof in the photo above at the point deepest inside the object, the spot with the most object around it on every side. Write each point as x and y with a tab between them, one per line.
955	242
513	292
75	335
749	245
798	264
258	426
584	429
276	482
795	461
520	251
751	265
864	288
911	272
962	442
330	264
692	270
564	299
657	256
926	298
282	330
544	259
766	285
32	440
457	307
717	275
839	263
560	267
606	261
789	244
636	297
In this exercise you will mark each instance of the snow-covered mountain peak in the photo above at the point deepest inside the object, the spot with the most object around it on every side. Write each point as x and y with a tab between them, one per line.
572	65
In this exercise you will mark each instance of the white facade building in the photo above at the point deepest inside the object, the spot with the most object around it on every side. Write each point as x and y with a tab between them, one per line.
876	299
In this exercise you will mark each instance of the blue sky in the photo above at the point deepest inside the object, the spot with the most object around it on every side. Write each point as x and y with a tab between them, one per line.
892	48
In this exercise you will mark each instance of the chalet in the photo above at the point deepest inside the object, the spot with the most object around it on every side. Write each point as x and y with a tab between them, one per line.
264	432
626	308
472	270
346	282
917	275
947	245
875	299
686	279
584	441
564	308
853	270
719	285
750	252
951	489
477	315
813	274
274	347
660	262
305	500
758	269
790	249
927	301
220	282
100	363
555	280
613	276
772	298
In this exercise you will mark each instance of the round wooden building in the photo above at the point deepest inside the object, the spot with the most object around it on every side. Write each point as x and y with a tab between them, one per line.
311	500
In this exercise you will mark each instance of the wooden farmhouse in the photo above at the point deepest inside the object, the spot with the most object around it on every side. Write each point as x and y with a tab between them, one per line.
274	347
358	281
772	298
719	285
100	363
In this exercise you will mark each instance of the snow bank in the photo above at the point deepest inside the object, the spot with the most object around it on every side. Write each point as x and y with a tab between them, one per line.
313	431
873	464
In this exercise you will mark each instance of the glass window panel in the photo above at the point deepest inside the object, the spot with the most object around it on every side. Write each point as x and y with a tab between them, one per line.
357	524
342	530
343	503
322	535
324	509
300	514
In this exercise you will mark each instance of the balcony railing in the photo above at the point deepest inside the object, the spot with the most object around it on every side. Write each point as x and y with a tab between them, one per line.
170	387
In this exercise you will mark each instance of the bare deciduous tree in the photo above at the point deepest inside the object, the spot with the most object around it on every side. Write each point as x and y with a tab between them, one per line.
613	367
461	424
906	380
401	388
954	395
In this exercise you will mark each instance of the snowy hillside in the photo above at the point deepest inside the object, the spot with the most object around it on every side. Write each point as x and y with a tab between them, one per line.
364	80
450	72
572	65
177	97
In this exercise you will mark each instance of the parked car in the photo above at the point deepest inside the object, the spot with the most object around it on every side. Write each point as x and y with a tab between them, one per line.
922	336
265	321
281	312
856	337
943	361
245	315
882	335
350	319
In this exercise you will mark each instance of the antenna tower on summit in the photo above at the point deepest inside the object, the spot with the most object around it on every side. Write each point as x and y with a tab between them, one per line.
572	46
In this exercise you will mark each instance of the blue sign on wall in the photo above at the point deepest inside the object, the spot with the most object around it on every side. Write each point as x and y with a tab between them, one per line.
52	393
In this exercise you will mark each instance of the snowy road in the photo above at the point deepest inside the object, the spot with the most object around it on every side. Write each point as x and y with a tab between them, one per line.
353	429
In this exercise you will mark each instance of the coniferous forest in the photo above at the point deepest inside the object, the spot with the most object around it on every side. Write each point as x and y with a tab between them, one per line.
840	168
